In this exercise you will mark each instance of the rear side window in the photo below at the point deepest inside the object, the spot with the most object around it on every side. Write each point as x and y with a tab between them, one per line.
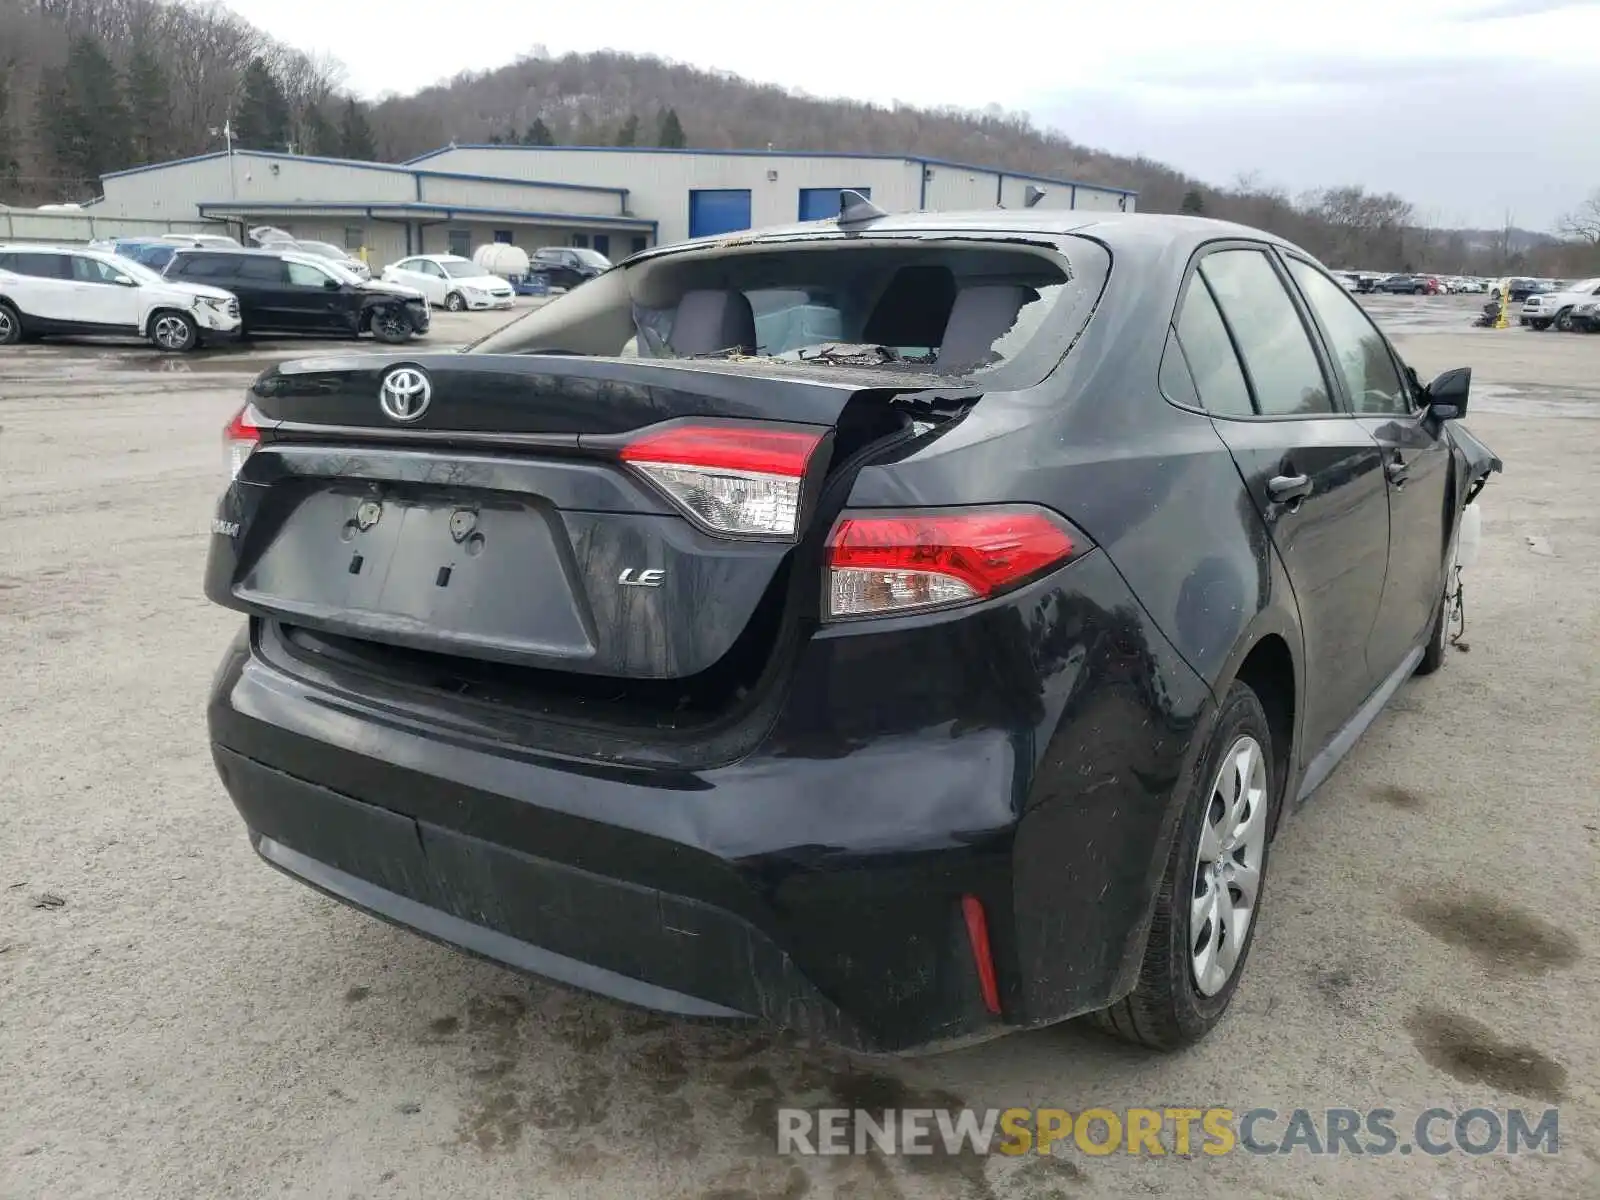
200	266
42	266
1209	353
1278	358
1359	352
262	270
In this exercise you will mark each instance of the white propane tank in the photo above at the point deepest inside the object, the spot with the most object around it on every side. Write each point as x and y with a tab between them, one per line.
497	258
1470	536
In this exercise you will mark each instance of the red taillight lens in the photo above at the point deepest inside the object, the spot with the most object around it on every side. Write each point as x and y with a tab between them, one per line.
240	437
732	479
904	562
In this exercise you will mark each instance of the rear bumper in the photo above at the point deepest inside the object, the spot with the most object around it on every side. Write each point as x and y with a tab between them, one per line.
1026	752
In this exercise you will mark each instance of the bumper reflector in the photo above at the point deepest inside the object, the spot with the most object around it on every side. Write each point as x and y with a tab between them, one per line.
978	936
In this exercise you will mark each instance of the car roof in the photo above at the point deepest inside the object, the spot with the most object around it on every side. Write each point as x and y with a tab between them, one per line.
51	248
256	252
1132	233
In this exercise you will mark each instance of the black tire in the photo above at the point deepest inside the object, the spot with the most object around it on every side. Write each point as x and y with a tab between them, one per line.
1439	637
1421	291
454	303
10	325
1564	320
172	332
392	325
1166	1010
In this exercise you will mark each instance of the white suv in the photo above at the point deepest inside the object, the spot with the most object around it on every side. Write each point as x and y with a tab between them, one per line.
1544	309
48	290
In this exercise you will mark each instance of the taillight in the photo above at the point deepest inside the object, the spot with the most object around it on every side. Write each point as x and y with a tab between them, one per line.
904	562
732	479
240	437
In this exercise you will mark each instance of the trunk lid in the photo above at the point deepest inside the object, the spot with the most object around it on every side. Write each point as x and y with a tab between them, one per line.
499	523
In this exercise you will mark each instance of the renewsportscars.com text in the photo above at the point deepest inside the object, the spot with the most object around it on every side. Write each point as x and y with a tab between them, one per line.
1373	1132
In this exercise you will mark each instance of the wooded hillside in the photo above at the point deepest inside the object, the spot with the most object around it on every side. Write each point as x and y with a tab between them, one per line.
89	86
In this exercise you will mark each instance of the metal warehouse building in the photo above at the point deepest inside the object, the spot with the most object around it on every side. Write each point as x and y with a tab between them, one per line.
614	200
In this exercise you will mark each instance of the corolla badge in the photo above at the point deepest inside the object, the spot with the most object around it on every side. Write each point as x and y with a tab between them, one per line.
405	394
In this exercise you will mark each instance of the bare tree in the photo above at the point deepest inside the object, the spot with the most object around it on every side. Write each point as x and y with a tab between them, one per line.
1583	223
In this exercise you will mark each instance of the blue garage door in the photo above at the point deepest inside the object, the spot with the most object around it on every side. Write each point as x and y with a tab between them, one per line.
822	204
718	210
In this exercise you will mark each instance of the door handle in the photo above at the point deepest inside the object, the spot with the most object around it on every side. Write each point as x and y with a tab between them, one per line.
1288	489
1397	469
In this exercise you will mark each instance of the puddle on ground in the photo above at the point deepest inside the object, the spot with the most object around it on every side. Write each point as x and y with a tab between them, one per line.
1497	933
1469	1051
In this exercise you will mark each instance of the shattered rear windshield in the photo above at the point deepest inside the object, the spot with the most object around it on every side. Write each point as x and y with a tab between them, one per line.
896	305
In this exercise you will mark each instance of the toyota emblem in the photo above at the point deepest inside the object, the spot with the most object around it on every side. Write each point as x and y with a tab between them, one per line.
405	394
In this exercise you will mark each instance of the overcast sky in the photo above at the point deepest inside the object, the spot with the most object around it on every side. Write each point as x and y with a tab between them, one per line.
1469	108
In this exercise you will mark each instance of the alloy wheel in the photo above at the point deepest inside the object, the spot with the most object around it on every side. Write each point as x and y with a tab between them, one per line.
6	328
1227	870
171	333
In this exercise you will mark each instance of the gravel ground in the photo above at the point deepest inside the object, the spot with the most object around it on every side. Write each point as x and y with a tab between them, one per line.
177	1020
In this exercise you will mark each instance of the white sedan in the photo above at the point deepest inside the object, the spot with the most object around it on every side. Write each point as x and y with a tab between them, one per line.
452	282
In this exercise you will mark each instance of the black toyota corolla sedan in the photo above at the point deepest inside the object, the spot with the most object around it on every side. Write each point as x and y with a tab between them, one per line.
901	629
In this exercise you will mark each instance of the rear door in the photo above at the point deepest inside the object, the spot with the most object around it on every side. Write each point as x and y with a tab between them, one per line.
46	292
265	278
1416	463
1313	473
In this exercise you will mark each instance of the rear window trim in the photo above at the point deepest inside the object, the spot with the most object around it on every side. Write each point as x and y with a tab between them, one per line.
1093	265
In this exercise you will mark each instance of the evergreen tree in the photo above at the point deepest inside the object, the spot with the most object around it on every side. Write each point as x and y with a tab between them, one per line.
628	135
669	134
538	134
263	119
1193	203
83	121
355	135
149	99
9	168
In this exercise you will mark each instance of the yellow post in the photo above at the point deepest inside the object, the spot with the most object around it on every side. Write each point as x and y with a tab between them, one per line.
1503	320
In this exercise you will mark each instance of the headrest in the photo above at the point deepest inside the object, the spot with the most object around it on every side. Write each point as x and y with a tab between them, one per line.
708	321
980	317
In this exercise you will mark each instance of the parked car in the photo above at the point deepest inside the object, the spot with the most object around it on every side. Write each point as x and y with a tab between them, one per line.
1521	289
290	292
1544	309
333	254
567	267
1586	317
1416	285
452	282
50	291
944	672
150	252
218	241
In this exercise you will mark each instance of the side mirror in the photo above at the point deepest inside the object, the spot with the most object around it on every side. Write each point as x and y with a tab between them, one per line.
1447	394
124	281
333	285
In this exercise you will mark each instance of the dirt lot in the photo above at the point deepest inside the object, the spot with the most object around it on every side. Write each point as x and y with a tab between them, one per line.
178	1020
